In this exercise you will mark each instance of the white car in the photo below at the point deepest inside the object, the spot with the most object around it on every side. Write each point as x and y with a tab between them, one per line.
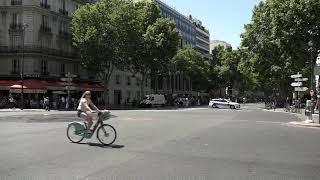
223	103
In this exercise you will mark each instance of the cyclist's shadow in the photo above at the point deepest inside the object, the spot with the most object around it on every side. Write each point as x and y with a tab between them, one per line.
113	146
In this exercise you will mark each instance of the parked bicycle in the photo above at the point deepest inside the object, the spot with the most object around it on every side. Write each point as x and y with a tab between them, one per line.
106	133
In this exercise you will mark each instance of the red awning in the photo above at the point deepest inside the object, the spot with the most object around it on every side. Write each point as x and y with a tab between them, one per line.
29	86
89	87
41	86
5	84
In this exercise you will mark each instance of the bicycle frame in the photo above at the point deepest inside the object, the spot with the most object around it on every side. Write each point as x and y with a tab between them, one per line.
85	130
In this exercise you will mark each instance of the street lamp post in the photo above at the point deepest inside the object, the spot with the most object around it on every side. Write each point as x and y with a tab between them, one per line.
24	26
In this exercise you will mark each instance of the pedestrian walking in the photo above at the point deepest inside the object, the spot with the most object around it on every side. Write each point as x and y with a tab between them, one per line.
47	103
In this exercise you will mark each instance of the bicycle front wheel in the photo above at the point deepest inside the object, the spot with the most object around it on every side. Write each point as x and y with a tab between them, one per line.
107	134
73	134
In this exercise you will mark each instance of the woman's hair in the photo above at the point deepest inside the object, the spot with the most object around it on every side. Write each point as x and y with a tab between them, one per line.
85	93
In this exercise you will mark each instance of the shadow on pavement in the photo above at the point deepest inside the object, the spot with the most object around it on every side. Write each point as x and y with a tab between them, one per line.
113	146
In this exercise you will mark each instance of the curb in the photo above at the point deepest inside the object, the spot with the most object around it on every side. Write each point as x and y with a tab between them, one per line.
304	124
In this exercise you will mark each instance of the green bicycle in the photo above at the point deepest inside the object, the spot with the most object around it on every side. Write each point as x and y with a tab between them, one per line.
106	134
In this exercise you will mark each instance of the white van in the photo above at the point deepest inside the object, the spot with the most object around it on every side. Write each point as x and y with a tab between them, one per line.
153	100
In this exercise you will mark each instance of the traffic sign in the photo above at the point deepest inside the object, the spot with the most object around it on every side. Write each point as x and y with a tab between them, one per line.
296	76
69	75
66	79
301	79
300	89
296	84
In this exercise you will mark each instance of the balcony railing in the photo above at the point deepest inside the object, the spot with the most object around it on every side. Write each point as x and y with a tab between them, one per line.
64	35
45	29
64	12
16	27
38	50
16	2
44	5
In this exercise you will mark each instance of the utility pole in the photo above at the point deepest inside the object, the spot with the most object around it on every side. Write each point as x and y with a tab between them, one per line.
24	26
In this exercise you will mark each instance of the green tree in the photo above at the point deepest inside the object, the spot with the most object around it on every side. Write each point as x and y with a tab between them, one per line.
191	63
103	35
278	39
157	43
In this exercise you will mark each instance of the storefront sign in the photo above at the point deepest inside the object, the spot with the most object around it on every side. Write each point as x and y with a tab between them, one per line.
29	91
32	75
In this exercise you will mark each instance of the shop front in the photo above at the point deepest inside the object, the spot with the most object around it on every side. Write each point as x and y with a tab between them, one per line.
34	92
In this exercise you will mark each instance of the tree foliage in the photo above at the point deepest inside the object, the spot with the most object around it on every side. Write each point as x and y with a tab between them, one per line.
156	44
277	40
191	63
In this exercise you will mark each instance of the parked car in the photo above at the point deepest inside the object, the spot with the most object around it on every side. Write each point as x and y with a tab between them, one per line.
153	100
223	103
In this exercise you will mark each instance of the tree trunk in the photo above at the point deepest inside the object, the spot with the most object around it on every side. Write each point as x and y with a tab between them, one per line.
106	94
142	85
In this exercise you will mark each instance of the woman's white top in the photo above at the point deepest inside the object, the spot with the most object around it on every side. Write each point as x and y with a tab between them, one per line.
82	107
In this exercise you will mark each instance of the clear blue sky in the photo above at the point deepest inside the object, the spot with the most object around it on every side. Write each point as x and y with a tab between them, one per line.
224	18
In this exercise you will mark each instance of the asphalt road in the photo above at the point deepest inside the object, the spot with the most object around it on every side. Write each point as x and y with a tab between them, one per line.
191	144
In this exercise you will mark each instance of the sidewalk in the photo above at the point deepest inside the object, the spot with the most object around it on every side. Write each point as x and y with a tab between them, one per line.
305	122
25	110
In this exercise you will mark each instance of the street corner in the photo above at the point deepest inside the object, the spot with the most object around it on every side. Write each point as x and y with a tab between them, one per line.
304	124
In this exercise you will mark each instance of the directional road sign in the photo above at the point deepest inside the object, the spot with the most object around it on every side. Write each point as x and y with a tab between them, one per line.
296	76
66	79
300	89
301	79
296	84
69	75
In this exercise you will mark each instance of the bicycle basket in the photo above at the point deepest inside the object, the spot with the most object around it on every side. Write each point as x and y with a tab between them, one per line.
104	116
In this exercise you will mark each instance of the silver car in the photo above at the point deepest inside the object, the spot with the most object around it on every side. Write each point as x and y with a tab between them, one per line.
223	103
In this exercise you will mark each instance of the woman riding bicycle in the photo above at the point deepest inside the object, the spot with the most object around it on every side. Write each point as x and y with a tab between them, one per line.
86	109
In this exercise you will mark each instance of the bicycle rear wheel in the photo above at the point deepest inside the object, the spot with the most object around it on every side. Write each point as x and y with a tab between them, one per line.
107	134
74	135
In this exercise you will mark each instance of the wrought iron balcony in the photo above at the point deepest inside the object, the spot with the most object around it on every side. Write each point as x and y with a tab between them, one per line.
38	50
16	2
44	5
16	27
64	12
45	29
64	34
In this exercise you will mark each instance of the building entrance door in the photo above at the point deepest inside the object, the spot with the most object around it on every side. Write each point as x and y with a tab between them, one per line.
117	97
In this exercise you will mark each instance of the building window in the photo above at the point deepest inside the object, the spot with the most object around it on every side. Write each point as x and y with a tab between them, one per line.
63	69
128	96
16	2
76	68
45	24
44	67
129	80
138	95
63	10
15	66
16	21
117	79
160	82
44	4
138	83
146	82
